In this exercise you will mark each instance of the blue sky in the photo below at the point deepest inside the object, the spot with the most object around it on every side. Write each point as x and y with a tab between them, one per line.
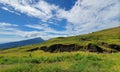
25	19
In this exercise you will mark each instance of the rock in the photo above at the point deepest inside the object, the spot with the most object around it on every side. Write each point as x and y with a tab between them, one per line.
114	46
94	48
62	48
34	49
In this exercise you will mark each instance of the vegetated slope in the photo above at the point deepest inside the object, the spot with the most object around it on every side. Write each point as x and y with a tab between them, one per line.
105	41
102	41
21	43
32	58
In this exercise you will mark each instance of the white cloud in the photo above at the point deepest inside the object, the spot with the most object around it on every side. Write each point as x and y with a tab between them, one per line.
5	8
83	11
85	16
2	24
41	10
9	39
45	29
12	29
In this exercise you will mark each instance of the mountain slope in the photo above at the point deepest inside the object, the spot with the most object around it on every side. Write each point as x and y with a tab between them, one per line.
31	58
101	41
21	43
105	41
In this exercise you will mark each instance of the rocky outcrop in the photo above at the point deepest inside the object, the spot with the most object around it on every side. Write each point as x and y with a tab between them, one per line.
74	47
112	46
61	48
34	49
94	48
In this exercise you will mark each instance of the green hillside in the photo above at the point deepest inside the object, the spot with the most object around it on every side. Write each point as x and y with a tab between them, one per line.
108	40
93	52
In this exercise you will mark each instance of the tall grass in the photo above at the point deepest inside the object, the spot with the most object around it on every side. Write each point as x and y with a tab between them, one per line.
61	62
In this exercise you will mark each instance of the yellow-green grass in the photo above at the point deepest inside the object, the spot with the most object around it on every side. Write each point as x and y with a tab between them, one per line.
39	61
110	36
20	60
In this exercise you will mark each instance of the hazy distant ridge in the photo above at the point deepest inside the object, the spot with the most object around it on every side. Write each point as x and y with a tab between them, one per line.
21	43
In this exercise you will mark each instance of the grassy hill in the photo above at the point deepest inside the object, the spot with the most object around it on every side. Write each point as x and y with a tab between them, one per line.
94	52
108	40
